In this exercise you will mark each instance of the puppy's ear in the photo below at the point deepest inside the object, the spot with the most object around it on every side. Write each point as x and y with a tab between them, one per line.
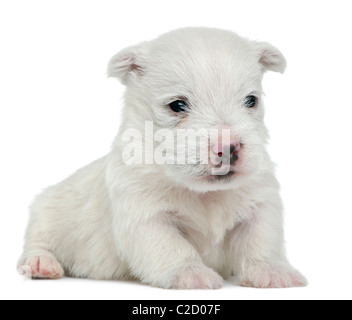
128	64
270	57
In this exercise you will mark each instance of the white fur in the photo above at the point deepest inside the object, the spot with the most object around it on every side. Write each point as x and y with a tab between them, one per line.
167	225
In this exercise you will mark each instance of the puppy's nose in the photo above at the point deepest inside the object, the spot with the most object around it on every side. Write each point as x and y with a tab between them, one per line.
227	153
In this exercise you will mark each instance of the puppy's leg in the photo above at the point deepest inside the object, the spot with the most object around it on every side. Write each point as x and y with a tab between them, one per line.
258	248
159	255
37	260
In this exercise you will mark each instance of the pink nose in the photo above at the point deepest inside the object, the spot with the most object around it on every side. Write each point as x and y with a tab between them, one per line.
227	153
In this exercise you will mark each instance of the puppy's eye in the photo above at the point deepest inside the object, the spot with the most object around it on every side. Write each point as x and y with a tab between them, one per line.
178	106
251	101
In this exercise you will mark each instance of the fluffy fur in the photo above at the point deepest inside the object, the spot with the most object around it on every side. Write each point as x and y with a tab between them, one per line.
173	226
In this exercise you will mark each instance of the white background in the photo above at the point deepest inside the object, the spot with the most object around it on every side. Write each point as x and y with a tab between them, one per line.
58	112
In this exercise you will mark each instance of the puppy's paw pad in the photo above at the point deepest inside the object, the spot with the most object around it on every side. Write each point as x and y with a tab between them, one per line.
41	268
273	277
198	278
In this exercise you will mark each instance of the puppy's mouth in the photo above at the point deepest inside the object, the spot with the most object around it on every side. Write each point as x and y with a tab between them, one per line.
222	178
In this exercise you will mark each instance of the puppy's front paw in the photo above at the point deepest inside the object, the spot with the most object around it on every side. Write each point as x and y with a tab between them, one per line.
41	268
268	276
197	277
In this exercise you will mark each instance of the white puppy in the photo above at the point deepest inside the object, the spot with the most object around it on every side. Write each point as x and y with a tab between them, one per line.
188	224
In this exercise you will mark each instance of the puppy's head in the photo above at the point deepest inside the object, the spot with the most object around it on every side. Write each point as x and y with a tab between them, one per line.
201	90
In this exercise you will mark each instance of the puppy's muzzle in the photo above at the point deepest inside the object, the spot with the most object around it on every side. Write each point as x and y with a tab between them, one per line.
224	157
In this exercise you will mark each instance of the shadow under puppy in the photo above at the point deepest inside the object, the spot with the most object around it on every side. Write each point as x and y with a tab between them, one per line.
185	225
